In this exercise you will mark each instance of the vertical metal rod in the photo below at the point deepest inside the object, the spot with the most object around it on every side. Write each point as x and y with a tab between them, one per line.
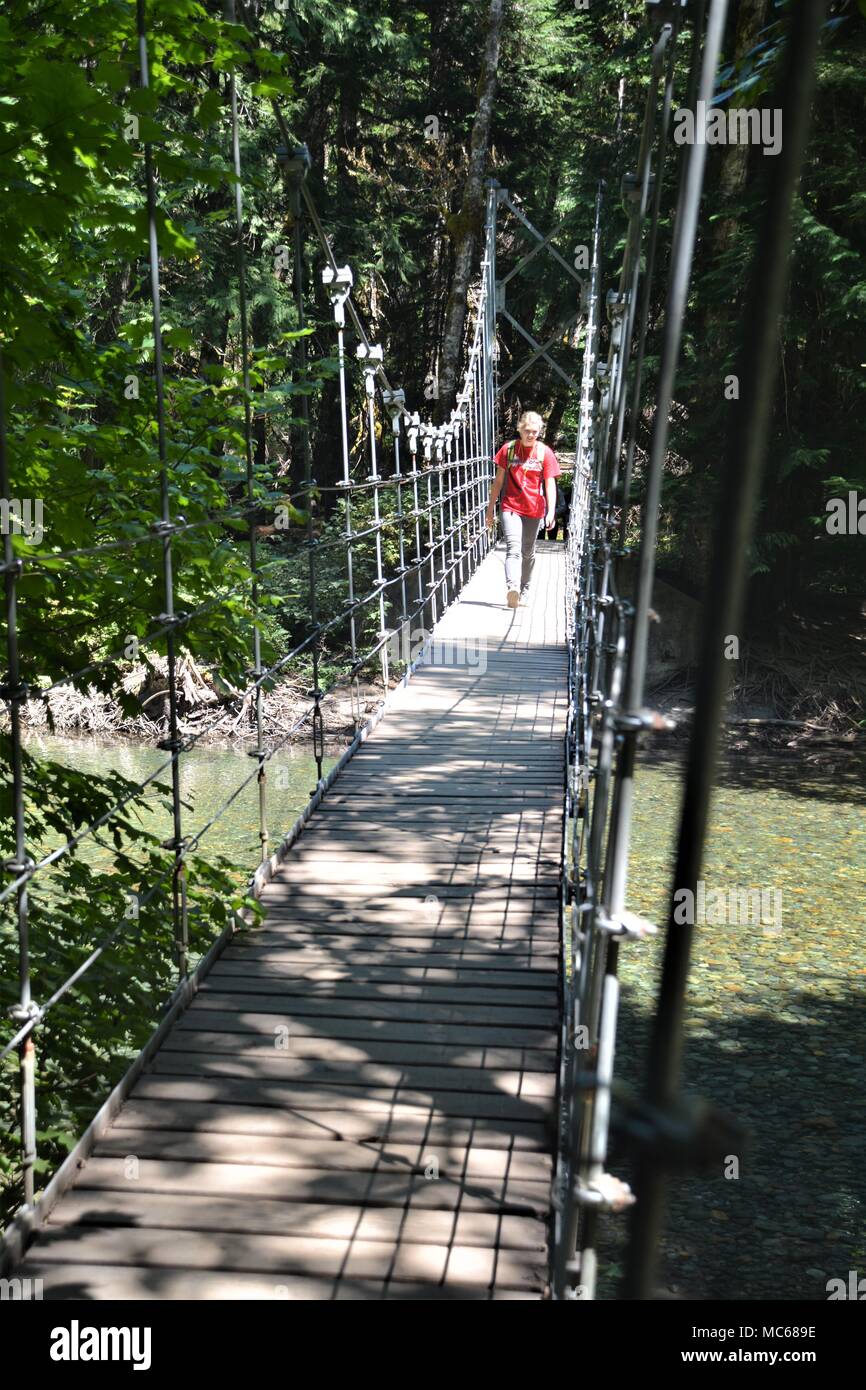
646	293
419	570
462	500
450	485
428	447
605	961
241	267
440	546
395	429
631	265
370	390
347	483
14	692
309	482
164	527
744	465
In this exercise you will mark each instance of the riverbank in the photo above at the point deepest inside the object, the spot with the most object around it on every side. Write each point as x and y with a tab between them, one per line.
801	685
216	715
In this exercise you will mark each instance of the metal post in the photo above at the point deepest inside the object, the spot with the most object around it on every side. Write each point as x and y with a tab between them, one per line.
744	464
297	165
371	357
259	751
164	528
339	285
14	692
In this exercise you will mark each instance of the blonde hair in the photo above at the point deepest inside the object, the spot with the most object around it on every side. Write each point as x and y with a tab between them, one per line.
529	415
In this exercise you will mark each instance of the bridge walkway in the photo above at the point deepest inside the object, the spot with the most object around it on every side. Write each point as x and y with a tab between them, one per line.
359	1101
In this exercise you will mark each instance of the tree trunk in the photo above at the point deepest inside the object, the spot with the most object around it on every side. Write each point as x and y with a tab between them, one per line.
717	324
465	226
751	18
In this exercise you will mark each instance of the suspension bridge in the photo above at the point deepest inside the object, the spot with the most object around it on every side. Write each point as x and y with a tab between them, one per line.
399	1083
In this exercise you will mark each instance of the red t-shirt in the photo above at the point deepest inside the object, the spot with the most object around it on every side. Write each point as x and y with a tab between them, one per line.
524	484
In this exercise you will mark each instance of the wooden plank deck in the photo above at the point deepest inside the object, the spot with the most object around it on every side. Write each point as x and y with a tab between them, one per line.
360	1100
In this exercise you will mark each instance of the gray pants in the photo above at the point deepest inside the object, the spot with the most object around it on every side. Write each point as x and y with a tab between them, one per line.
520	534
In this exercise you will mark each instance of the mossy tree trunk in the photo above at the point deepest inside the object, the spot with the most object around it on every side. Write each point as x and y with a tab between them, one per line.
465	226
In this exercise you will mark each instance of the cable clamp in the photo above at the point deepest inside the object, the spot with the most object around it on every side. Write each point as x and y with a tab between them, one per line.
173	619
616	304
166	528
177	845
19	866
604	1193
15	693
395	400
23	1013
626	926
650	719
685	1135
661	12
339	286
296	163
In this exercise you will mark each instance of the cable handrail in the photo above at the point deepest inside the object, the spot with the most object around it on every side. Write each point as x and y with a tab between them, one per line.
608	640
440	534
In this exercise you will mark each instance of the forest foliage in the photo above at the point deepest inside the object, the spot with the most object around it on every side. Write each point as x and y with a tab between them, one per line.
384	94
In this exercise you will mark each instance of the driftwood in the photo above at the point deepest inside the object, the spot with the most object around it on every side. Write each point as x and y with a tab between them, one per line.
208	706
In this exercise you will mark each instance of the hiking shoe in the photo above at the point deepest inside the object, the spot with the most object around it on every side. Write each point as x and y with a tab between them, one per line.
513	598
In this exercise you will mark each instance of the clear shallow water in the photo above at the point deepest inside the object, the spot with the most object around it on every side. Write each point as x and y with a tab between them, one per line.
208	777
774	1030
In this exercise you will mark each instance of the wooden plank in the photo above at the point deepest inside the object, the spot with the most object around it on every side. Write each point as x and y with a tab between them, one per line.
339	1125
518	1196
244	994
306	956
246	1042
247	975
374	1078
315	1152
349	847
206	1009
282	1255
489	954
453	922
284	889
319	1221
331	971
126	1283
306	869
307	1098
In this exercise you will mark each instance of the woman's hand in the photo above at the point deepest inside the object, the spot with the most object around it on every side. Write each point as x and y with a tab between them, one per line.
550	518
490	515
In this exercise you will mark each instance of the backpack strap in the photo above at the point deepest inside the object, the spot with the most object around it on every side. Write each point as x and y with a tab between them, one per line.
512	450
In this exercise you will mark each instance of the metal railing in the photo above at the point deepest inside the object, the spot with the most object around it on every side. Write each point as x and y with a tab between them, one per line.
608	636
438	522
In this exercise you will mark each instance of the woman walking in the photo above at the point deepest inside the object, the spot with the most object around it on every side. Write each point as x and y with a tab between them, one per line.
526	471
